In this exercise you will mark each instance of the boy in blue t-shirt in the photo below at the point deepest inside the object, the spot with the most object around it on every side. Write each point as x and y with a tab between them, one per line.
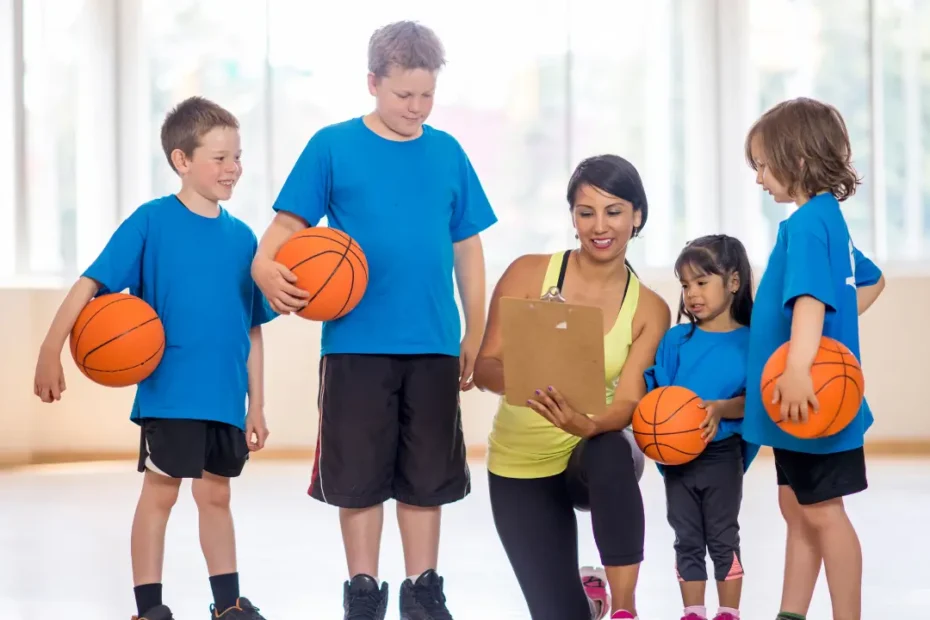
190	260
816	283
392	369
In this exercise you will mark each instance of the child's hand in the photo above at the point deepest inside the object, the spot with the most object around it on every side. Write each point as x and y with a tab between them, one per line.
276	282
49	382
256	430
711	420
795	391
469	352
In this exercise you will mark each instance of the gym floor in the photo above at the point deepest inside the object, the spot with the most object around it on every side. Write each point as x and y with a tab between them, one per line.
64	547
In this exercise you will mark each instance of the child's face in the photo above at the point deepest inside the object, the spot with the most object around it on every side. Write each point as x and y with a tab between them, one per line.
215	167
604	222
765	178
707	295
404	99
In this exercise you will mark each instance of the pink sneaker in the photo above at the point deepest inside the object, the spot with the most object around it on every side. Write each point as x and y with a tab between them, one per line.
725	616
623	615
694	616
594	581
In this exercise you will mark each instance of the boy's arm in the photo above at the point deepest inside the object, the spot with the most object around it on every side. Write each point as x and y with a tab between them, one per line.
256	429
302	202
471	215
870	282
118	267
49	380
470	277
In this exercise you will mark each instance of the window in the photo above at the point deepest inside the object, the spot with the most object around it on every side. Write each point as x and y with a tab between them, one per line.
51	34
820	49
8	141
522	114
202	47
904	54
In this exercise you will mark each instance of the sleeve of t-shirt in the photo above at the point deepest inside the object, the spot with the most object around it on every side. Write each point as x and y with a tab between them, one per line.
662	373
119	265
306	189
807	266
471	212
867	272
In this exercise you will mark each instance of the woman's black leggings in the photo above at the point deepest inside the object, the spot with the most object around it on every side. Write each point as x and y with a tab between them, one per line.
535	519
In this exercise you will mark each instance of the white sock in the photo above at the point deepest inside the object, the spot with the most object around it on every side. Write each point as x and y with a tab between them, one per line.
414	578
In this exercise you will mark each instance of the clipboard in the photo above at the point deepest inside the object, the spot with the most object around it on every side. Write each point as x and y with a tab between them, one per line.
553	343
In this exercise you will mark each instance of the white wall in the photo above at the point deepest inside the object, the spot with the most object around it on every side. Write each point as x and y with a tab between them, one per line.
92	421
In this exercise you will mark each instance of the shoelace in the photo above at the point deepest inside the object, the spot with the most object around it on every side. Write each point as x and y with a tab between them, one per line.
433	601
364	605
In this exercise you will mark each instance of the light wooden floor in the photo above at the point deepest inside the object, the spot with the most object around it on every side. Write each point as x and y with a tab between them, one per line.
64	547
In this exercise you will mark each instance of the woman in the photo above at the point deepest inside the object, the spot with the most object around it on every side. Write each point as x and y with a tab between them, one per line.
545	460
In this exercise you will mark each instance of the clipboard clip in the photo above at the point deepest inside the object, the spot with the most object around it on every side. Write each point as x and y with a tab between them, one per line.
553	294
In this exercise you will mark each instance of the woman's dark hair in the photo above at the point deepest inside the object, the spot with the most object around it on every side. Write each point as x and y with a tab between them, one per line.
617	177
720	255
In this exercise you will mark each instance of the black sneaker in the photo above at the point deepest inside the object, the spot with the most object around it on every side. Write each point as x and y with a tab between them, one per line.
160	612
362	600
423	600
244	610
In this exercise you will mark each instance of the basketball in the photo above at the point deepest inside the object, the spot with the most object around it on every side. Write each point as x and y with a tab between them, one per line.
118	340
329	265
666	425
838	384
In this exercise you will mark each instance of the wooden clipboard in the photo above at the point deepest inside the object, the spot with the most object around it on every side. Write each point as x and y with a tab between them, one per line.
553	343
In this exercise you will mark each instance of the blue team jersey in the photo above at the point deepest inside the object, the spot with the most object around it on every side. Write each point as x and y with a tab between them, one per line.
406	204
813	256
195	271
710	364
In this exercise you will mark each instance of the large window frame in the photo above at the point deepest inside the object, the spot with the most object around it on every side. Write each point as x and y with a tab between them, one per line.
718	110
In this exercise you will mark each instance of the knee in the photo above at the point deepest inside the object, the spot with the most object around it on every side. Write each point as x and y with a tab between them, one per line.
607	450
790	509
824	515
211	492
160	492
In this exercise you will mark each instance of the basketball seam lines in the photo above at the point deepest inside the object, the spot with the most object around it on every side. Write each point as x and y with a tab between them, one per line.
117	337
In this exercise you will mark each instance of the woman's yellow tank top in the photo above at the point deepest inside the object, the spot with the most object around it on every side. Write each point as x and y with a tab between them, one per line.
522	443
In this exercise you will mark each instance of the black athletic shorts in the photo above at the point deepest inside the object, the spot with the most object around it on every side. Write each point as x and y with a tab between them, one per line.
816	478
390	428
187	448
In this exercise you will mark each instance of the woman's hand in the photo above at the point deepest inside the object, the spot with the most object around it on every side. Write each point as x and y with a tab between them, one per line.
552	406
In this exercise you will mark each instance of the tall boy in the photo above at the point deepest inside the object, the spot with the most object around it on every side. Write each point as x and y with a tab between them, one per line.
816	283
391	370
190	260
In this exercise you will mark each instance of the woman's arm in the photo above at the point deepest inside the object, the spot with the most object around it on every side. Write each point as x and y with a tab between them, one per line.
655	319
517	281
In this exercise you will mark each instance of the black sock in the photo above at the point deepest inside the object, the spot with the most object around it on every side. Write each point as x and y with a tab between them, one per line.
789	616
225	590
147	596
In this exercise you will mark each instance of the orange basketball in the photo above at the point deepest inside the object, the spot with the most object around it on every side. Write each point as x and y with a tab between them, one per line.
838	384
118	340
666	425
329	265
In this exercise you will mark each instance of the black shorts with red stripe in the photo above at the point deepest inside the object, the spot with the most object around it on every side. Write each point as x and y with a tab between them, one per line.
390	428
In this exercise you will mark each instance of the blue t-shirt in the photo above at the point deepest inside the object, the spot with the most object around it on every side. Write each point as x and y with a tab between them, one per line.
195	271
710	364
813	256
406	204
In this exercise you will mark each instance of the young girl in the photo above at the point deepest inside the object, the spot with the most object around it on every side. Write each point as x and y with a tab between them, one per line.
708	356
816	284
